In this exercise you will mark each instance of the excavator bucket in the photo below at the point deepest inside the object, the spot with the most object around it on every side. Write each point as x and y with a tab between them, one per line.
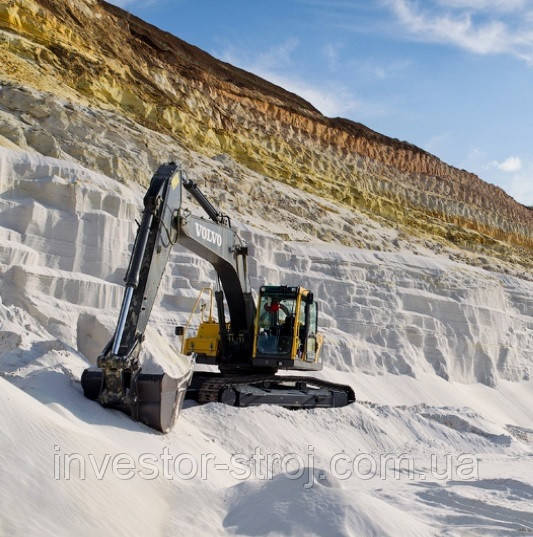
160	398
153	399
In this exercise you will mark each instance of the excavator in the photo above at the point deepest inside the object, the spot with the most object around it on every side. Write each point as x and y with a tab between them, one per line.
280	333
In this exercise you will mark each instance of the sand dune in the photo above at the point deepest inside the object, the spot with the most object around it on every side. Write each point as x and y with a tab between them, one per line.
440	355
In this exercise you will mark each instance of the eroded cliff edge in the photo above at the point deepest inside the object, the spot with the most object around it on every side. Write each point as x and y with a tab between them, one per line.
96	55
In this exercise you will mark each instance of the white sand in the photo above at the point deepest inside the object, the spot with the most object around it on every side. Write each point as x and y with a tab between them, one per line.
440	355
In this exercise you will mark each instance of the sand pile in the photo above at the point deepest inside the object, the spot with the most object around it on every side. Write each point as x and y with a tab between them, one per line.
439	353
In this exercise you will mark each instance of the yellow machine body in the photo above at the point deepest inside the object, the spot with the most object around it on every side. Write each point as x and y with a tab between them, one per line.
284	334
206	341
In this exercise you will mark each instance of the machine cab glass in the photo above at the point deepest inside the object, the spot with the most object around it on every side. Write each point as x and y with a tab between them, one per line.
276	322
286	328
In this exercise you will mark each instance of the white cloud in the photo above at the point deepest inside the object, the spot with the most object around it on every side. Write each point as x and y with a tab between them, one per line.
331	53
380	70
490	34
334	101
515	176
510	164
276	66
520	186
278	56
498	5
437	143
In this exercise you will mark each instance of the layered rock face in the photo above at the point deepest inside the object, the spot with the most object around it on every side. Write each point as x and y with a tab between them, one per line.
99	59
65	237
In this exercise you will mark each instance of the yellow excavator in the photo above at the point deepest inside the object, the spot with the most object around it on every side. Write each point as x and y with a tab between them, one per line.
281	332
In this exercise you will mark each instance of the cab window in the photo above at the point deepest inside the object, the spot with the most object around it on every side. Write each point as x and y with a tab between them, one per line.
276	324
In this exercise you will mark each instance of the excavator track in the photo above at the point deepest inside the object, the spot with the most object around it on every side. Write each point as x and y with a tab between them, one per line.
283	390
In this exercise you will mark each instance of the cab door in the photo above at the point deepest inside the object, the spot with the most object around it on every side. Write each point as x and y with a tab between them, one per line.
311	343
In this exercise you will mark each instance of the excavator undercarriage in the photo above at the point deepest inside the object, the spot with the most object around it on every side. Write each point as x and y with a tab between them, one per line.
248	349
251	390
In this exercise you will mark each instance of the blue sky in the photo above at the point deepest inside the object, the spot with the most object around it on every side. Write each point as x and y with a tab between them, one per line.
452	76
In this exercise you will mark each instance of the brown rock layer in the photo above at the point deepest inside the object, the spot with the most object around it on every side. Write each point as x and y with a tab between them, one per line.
95	53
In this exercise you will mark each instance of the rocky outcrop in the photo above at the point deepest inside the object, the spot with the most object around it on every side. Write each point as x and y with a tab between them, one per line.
65	237
98	56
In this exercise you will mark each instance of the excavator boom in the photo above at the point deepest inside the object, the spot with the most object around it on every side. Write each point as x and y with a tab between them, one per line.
251	346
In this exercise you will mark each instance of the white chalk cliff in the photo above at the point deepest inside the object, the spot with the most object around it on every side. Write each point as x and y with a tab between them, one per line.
439	353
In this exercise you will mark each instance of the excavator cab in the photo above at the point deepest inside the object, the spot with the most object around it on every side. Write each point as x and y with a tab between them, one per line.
284	332
286	329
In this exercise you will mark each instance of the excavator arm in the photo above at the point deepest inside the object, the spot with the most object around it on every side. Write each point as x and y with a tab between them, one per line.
215	241
118	381
155	237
